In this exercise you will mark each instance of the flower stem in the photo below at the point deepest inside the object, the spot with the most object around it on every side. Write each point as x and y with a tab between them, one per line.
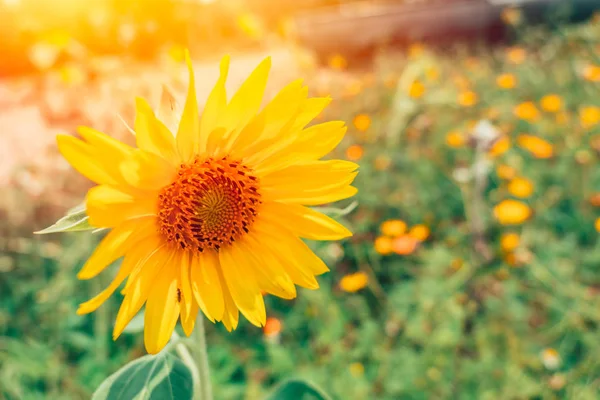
200	355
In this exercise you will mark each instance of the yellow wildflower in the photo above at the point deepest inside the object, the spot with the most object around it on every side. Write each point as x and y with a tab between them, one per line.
393	227
505	172
416	90
467	98
589	116
383	245
500	146
419	232
520	187
509	241
338	62
527	111
455	139
511	16
506	81
592	73
511	212
551	103
354	282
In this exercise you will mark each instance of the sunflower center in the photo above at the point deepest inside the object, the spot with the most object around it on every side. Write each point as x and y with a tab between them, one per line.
212	203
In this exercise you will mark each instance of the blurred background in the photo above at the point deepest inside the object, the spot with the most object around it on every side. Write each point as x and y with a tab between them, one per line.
474	271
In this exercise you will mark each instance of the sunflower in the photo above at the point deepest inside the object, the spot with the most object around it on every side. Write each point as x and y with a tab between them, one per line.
212	215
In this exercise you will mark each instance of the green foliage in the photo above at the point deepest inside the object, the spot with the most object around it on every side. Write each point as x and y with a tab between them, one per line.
297	390
75	220
458	317
159	377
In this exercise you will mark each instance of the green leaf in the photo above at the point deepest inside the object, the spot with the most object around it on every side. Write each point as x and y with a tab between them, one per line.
337	212
296	389
75	220
159	377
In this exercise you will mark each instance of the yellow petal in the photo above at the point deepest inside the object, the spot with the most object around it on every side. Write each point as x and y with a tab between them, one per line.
188	319
303	221
184	281
300	276
206	285
269	275
81	156
231	313
152	135
132	259
168	110
115	244
275	243
310	183
245	103
271	144
310	110
311	144
242	284
188	134
162	311
139	285
108	207
147	171
108	152
215	107
288	243
278	112
104	144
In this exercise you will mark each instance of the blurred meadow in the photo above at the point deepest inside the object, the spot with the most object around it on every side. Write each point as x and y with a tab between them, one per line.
474	269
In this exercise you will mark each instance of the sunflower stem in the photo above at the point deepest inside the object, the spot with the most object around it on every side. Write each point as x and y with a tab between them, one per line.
200	354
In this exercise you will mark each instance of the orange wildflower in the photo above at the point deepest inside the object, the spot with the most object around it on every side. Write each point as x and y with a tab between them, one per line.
273	327
354	152
536	146
404	244
362	122
516	55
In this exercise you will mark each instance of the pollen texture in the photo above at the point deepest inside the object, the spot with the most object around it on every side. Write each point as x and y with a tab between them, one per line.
211	203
